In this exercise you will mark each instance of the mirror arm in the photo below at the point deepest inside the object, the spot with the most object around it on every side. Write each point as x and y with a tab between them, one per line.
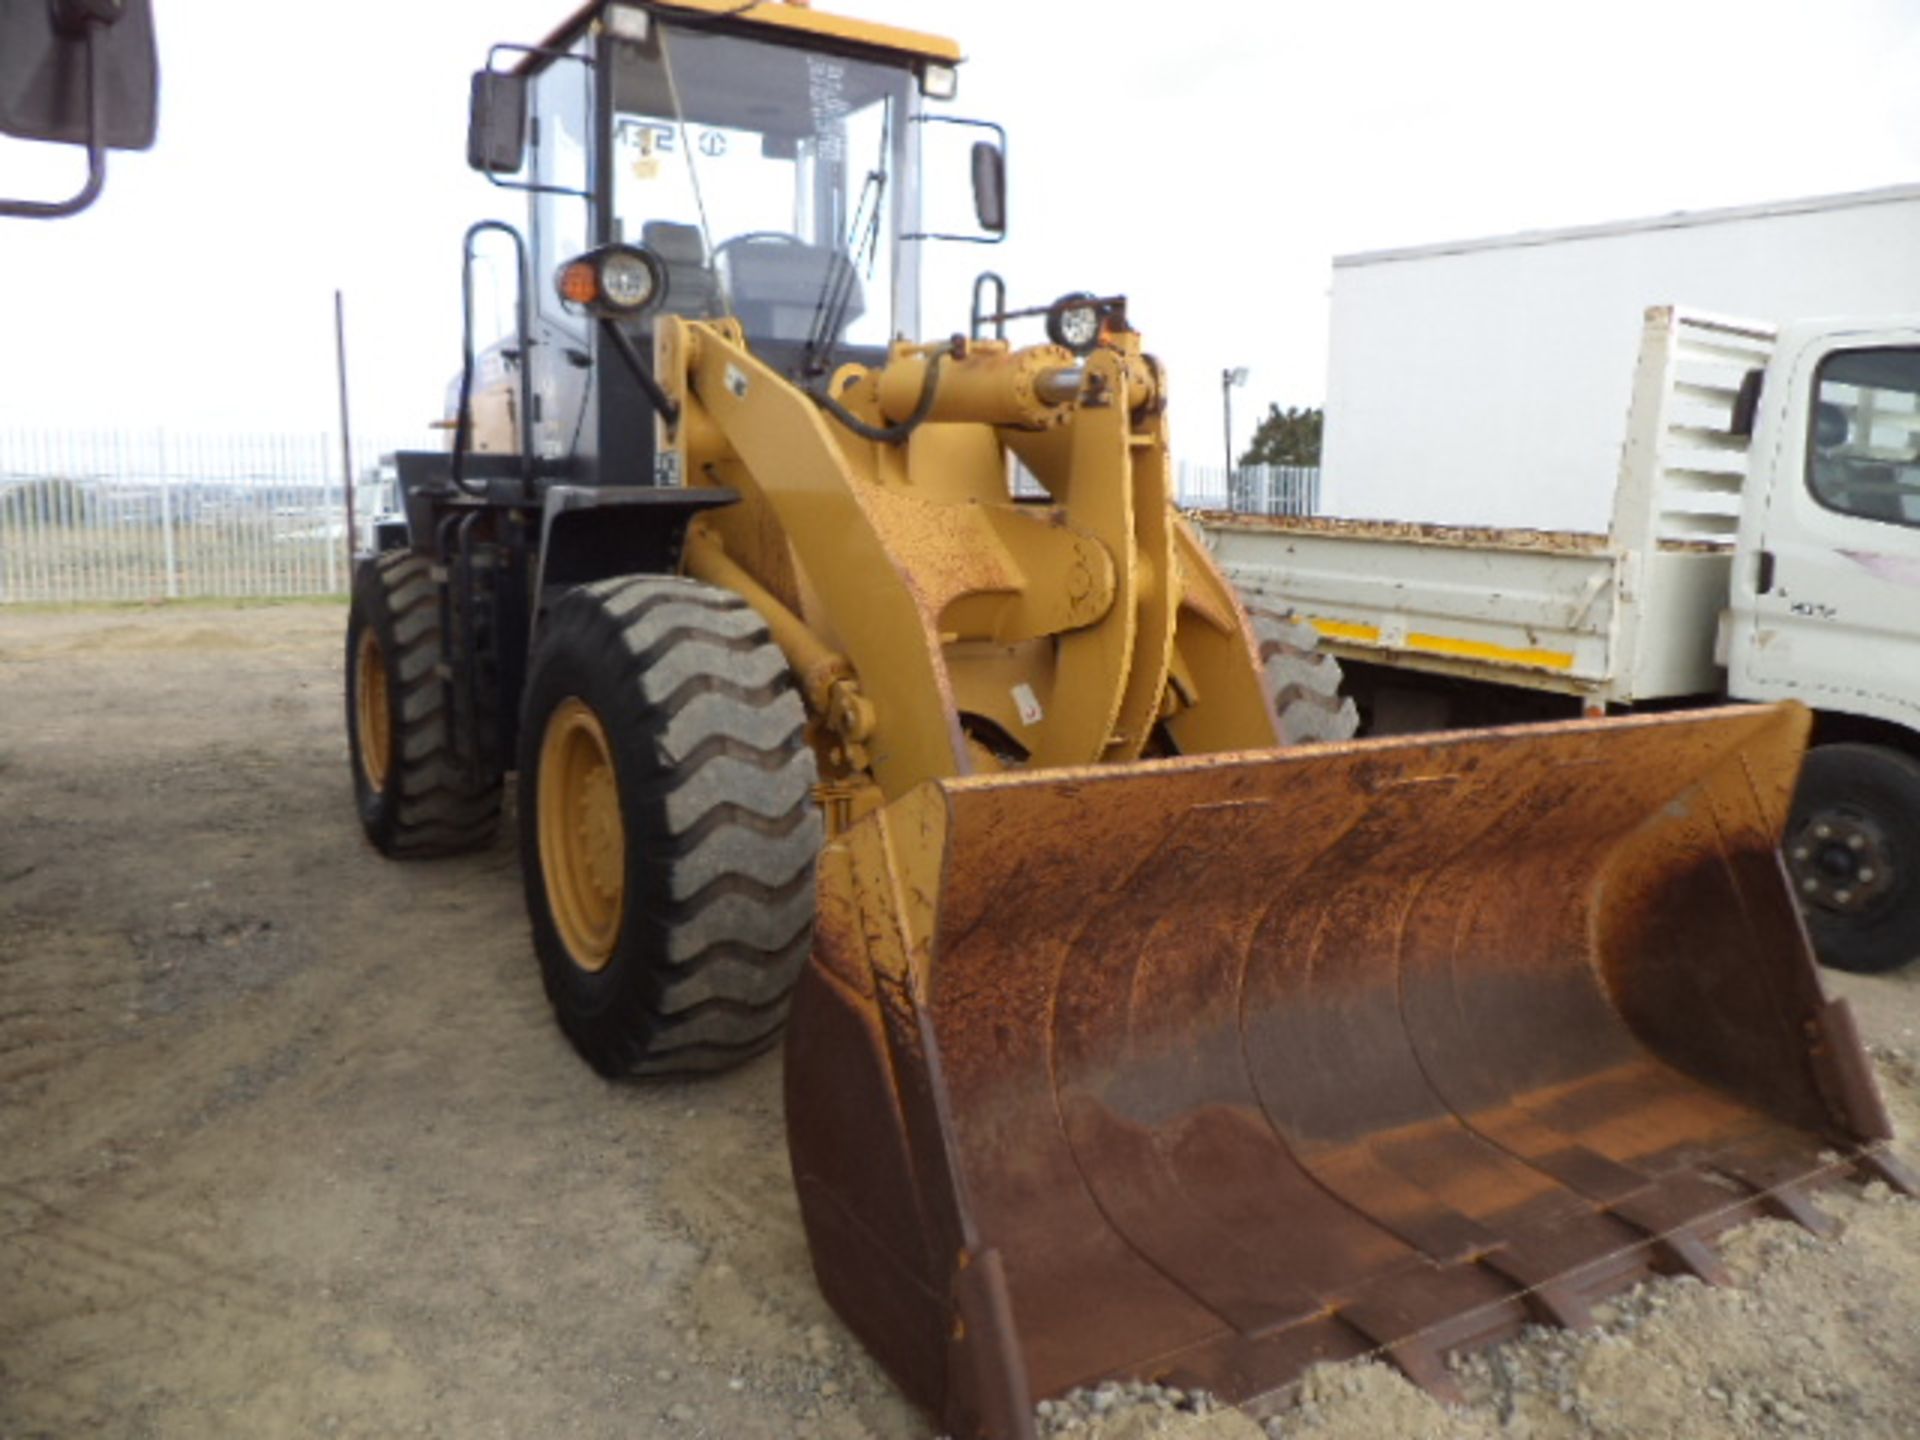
96	151
999	132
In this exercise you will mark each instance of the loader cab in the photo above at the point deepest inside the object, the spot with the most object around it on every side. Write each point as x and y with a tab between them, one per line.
769	161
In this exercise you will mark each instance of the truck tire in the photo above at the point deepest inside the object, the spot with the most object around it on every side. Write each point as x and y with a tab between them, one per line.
1303	679
668	829
1853	849
415	796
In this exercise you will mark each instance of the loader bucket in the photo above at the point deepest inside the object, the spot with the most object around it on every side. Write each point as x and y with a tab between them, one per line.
1204	1070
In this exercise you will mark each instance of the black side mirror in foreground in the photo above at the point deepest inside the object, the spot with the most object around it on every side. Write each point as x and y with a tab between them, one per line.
78	72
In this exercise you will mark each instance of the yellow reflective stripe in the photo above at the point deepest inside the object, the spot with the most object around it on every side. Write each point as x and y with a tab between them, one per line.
1481	650
1445	645
1345	629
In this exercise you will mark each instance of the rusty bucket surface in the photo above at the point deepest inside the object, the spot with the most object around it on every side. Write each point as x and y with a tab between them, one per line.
1205	1070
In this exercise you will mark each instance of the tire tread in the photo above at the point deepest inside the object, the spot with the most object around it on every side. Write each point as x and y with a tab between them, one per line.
435	807
727	820
1303	679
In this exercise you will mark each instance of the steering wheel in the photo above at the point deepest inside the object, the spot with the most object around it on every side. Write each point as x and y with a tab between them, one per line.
756	237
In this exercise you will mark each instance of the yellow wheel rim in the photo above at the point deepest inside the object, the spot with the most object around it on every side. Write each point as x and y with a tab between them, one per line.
374	729
583	840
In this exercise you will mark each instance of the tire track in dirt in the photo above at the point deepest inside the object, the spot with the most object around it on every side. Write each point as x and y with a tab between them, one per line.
45	1019
62	1268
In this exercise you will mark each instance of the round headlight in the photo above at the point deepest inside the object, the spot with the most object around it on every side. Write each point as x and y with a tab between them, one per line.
615	282
1074	321
627	281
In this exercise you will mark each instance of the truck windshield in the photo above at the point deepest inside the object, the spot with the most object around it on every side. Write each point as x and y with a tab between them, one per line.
765	176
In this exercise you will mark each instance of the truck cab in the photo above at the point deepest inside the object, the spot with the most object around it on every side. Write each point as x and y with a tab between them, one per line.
1826	604
1825	609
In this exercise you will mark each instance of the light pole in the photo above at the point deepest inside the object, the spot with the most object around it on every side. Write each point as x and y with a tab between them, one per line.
1237	375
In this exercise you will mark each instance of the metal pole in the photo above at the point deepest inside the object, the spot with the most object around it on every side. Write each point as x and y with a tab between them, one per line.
1226	411
1230	377
333	565
171	560
346	430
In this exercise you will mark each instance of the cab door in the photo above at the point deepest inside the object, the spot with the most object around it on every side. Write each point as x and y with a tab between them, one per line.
1826	592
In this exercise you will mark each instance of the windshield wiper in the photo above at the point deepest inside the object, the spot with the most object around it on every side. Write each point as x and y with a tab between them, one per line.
836	290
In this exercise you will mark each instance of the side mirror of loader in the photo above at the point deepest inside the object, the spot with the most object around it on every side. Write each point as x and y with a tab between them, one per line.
946	144
497	123
990	187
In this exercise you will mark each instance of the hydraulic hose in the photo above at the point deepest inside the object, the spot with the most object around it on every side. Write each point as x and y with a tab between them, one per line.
888	434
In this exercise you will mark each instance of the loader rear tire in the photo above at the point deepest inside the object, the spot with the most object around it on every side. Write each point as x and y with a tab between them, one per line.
1853	849
1303	680
668	830
415	796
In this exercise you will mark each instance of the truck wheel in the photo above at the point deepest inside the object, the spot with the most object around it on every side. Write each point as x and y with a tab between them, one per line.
414	795
1303	679
667	825
1853	849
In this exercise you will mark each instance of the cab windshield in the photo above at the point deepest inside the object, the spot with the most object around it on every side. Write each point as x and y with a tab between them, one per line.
767	178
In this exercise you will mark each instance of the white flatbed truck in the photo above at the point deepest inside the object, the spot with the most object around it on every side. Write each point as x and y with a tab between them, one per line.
1764	545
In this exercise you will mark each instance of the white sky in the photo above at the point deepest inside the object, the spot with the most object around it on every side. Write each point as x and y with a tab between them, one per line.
1208	159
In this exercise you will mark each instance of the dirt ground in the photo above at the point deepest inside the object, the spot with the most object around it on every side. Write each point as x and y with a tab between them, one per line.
288	1145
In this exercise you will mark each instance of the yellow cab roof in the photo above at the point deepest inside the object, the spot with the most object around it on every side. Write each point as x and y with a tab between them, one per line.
797	17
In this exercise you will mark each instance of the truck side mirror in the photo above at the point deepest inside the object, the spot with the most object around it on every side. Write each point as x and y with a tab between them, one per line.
77	72
497	123
1746	404
990	187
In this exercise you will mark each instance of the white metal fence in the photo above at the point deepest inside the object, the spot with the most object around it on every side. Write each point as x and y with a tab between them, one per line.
123	515
1251	489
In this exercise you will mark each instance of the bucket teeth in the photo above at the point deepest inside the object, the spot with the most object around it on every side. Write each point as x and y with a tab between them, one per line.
1206	1070
1879	1165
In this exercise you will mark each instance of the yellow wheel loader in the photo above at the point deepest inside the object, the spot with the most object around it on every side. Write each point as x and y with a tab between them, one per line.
873	690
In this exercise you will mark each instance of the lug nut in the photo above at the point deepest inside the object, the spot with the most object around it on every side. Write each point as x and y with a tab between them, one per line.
1866	875
1856	842
1801	852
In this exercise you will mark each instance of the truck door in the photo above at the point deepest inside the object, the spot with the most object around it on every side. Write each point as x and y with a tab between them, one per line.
1826	594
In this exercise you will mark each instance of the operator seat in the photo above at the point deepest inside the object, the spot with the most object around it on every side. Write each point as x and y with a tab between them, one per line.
1846	483
692	288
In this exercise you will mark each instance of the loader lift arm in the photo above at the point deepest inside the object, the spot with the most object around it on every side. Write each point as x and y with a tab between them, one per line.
914	560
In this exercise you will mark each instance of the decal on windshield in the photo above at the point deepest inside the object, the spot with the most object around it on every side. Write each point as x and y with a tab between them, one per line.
651	139
827	96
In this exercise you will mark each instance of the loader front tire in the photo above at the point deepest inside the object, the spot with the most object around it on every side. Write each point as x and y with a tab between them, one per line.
1303	679
415	796
667	825
1853	850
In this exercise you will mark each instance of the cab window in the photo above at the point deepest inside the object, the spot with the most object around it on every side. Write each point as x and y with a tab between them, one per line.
1863	445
